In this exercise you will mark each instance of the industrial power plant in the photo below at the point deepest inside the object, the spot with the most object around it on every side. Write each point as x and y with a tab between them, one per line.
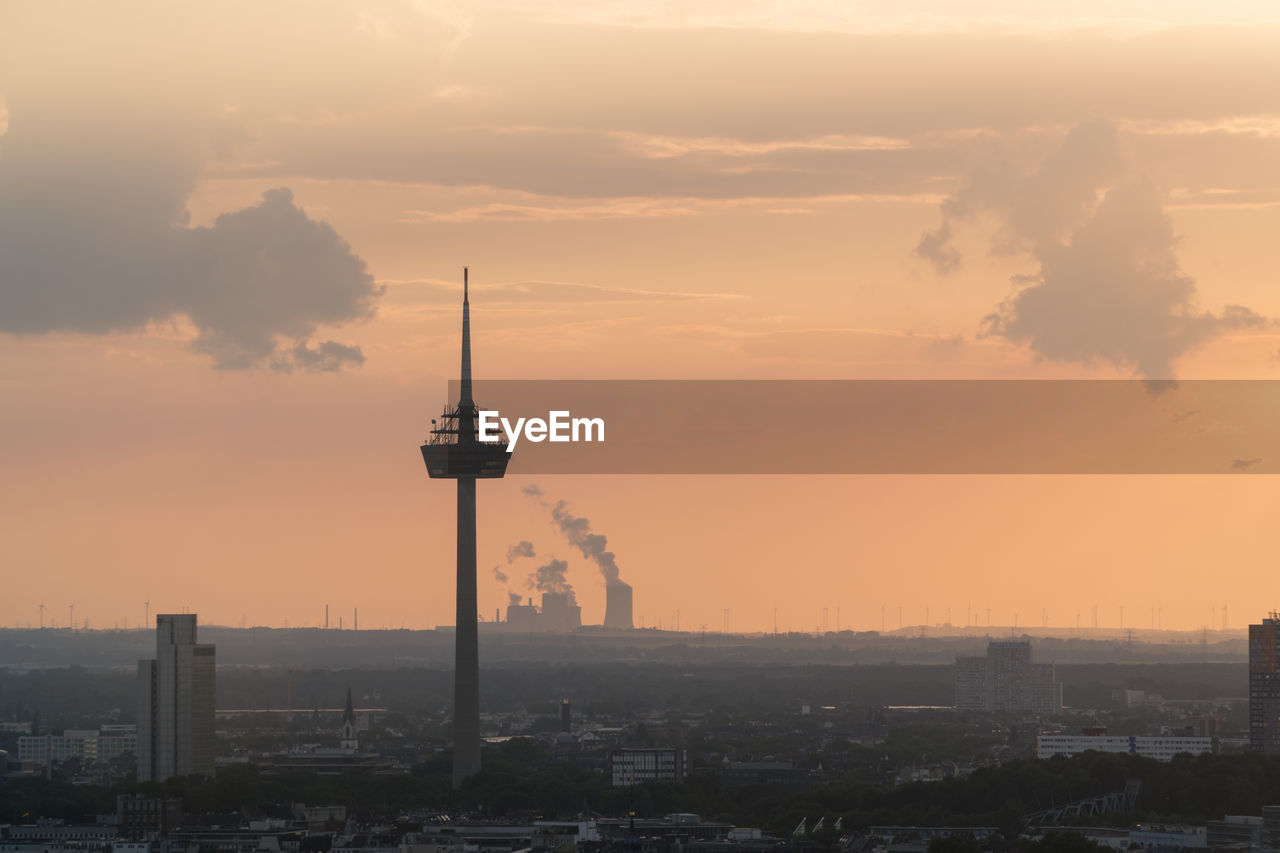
560	612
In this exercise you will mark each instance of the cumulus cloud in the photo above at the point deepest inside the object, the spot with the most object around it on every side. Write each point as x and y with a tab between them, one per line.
1108	287
95	238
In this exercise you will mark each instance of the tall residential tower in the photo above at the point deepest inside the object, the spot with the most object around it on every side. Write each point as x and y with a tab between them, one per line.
176	703
1264	686
455	452
1007	681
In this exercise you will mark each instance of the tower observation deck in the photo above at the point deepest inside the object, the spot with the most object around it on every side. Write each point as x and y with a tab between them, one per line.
454	451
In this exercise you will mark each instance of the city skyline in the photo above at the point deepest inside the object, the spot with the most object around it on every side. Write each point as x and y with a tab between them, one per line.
638	195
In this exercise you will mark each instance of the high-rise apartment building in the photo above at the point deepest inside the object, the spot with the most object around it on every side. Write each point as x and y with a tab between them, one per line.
1264	686
176	703
1007	680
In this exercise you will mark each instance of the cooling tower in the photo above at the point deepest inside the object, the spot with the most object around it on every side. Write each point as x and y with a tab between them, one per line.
617	606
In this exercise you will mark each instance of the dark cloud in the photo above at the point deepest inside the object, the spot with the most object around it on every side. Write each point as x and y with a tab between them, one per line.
1109	287
1244	464
94	238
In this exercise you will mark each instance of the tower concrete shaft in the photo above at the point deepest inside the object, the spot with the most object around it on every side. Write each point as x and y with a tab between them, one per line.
466	666
455	452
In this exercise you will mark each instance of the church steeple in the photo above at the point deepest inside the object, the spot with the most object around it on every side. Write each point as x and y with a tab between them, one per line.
350	741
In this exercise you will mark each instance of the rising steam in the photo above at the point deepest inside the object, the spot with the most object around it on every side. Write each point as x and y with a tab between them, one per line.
551	578
523	548
577	530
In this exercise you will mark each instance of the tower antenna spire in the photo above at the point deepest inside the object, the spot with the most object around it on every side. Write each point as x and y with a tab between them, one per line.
466	402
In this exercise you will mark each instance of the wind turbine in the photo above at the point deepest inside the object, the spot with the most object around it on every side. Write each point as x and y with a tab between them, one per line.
42	615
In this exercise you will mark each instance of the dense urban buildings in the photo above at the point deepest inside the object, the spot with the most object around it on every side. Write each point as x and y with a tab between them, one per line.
1264	686
176	703
1007	680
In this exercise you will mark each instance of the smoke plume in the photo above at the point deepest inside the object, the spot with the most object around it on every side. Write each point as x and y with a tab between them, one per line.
592	545
523	548
577	530
551	578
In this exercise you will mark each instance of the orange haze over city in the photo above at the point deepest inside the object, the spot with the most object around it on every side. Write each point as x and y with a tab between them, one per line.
231	247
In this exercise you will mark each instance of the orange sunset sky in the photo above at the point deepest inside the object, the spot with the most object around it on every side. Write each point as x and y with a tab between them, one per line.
232	237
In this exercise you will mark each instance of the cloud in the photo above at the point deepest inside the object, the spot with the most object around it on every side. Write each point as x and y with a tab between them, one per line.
327	356
544	292
94	239
1108	287
1244	464
934	246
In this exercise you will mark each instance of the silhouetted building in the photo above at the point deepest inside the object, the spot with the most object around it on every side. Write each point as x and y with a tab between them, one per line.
1007	680
522	617
566	718
560	612
140	817
350	739
618	605
1264	686
629	766
176	703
